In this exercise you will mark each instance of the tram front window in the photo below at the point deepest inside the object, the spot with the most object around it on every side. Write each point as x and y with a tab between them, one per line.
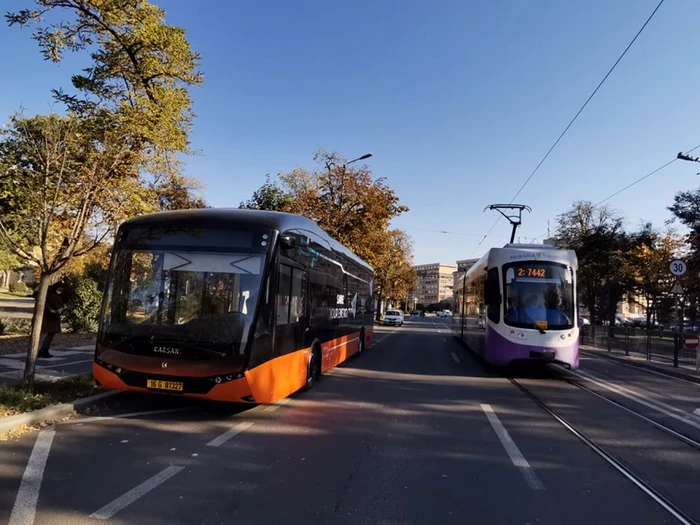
539	295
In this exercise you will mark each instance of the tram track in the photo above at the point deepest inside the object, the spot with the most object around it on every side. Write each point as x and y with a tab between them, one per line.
640	483
561	374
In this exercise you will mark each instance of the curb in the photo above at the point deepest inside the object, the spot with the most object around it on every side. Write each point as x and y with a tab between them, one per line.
645	365
50	413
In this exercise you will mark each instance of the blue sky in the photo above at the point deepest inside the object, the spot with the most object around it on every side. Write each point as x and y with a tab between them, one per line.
457	100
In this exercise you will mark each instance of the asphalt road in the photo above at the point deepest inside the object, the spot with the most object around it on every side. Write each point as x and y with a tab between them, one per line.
414	431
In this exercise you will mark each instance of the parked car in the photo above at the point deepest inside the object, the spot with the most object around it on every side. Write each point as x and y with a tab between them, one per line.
393	317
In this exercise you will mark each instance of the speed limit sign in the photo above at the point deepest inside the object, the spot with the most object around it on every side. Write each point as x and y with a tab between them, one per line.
678	267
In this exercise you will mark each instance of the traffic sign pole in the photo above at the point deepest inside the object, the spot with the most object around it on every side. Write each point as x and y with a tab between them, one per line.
679	331
677	268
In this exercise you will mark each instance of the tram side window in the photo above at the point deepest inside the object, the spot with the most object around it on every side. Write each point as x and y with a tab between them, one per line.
290	295
493	310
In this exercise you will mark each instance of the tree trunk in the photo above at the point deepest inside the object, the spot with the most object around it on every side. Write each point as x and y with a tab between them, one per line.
611	310
35	339
378	315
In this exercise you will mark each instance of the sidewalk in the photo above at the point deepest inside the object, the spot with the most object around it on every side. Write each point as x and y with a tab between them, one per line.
683	371
66	362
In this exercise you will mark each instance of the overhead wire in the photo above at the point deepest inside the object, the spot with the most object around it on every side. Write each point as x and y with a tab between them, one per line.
566	129
634	183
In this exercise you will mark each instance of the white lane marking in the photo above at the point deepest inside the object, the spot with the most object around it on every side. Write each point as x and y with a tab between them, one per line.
276	406
512	449
641	399
124	416
24	509
137	492
444	339
454	357
696	411
223	438
69	363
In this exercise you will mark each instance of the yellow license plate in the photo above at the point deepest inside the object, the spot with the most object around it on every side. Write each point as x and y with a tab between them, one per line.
542	325
164	385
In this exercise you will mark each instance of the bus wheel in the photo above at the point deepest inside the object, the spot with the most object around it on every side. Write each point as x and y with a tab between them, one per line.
313	371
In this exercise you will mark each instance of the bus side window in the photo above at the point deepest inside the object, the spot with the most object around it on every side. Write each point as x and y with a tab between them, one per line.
298	295
493	308
291	291
284	286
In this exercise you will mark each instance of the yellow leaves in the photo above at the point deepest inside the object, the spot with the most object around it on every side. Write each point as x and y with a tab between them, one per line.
356	209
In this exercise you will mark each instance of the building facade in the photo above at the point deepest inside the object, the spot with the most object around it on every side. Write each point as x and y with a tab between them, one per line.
434	284
462	268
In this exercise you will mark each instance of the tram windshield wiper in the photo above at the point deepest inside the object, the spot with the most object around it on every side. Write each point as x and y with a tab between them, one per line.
539	328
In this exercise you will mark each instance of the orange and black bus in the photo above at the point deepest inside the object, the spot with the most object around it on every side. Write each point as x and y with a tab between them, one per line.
227	304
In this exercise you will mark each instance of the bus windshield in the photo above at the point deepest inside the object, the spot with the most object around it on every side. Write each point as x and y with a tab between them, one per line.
539	295
205	300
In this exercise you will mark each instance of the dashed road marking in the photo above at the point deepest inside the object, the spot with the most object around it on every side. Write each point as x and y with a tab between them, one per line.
24	510
126	416
512	449
276	406
223	438
134	494
444	339
696	411
454	357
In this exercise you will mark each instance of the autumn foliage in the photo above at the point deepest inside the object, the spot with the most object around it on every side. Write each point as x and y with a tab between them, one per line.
353	207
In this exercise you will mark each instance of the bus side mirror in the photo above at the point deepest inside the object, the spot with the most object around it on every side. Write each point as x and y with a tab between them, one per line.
492	292
288	241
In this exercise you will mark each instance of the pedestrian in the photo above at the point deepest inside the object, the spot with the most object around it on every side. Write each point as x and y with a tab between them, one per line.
51	324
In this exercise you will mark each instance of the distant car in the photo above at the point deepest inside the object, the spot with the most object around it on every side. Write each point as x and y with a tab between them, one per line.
415	312
393	317
444	313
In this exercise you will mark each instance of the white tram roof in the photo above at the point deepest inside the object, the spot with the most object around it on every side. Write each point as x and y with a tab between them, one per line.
523	252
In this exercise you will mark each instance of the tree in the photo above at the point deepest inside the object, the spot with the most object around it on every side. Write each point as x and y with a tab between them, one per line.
394	274
66	181
600	243
353	208
8	261
71	189
345	201
647	264
270	196
686	209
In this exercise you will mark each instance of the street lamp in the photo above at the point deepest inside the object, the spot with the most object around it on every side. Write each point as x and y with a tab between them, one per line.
363	157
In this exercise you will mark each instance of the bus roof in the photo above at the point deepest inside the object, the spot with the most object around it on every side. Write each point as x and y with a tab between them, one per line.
273	220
